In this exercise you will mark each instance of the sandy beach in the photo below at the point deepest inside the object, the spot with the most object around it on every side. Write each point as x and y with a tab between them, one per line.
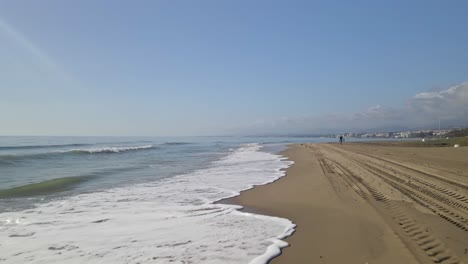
370	203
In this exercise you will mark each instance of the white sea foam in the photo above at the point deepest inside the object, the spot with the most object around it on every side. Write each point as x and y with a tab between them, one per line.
109	149
169	221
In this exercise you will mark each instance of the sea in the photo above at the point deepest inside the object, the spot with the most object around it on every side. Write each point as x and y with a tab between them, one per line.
138	199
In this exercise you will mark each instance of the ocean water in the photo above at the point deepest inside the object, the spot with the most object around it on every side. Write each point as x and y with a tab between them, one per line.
137	200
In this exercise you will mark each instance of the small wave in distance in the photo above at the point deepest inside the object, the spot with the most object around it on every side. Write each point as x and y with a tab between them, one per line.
177	143
109	149
42	146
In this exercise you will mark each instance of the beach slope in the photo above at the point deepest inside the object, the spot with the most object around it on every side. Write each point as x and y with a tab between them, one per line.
367	203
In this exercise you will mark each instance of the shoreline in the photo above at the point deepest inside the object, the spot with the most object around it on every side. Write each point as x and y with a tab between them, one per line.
278	244
346	213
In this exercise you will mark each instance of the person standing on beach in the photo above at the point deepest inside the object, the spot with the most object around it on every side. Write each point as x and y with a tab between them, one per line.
341	139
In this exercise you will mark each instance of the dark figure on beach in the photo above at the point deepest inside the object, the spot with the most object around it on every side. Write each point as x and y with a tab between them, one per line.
341	139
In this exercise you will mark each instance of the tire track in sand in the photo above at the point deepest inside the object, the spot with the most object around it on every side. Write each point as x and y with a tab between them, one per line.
433	199
417	232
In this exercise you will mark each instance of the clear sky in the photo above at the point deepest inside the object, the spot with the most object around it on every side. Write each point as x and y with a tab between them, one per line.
229	67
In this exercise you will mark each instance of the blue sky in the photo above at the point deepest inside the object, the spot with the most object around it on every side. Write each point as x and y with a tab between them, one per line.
227	67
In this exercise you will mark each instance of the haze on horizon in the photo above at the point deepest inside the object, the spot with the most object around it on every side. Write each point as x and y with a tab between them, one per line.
172	68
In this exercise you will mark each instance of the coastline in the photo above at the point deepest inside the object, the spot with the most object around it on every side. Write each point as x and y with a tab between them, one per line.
345	214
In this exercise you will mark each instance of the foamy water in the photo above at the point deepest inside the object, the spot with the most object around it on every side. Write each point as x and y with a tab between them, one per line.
173	220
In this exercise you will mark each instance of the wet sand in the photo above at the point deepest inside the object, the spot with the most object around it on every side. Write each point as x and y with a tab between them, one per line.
364	203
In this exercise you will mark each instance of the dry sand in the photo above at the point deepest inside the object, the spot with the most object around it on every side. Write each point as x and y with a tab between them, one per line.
364	203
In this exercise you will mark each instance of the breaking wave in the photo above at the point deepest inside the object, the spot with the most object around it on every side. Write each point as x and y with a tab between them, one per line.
13	159
109	149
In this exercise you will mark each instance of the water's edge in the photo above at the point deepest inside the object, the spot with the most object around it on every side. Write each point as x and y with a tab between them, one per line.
275	249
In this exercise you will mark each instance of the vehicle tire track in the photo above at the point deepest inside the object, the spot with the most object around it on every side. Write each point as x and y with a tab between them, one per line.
433	176
449	210
432	247
462	200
